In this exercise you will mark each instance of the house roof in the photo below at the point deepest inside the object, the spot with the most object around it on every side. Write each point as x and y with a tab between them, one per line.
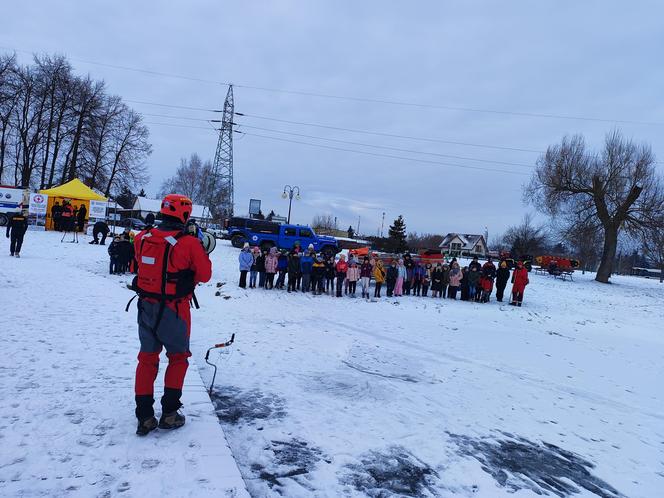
154	205
469	240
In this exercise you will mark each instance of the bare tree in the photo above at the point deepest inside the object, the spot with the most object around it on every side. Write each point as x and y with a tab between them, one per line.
192	179
616	189
652	245
324	222
585	240
525	238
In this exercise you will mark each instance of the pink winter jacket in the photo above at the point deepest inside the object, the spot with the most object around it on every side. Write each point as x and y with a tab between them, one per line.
271	262
353	274
455	280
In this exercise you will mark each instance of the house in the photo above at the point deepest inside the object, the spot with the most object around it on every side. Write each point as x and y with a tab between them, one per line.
464	244
142	206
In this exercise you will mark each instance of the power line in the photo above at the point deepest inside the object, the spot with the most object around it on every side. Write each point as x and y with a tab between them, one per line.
391	135
386	147
361	99
383	155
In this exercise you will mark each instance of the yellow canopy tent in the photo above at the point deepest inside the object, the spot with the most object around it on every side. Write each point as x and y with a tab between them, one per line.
73	191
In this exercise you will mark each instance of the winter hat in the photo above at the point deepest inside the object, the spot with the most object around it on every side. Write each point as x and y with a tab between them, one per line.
342	256
311	247
246	245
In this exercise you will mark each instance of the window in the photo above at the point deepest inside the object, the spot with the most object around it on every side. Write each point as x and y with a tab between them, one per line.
305	232
455	246
289	232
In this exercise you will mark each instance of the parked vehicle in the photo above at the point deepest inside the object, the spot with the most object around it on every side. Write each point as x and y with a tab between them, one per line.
133	223
12	200
267	234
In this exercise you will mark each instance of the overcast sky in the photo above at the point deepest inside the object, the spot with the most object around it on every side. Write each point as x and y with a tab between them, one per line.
592	59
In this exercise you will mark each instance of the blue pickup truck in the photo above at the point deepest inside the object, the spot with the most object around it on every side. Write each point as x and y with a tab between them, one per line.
267	234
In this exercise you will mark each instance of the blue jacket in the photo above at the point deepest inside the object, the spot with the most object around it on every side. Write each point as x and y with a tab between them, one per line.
246	260
418	272
282	263
306	264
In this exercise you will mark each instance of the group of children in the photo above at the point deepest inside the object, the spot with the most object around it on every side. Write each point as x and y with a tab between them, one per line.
121	252
311	272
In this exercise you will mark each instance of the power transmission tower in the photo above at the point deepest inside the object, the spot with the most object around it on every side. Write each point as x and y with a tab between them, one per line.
221	197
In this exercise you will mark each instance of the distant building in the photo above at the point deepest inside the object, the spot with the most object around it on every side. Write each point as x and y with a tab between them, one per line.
142	206
464	244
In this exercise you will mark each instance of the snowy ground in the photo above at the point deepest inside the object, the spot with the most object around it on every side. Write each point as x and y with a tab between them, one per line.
334	397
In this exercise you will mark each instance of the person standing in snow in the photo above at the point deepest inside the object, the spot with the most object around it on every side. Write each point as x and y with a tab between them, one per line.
465	287
409	266
351	259
282	268
519	282
446	280
330	272
293	269
402	274
306	267
341	269
365	276
455	280
426	279
171	264
80	217
16	229
56	216
437	281
253	271
246	260
318	276
391	278
502	276
260	266
379	274
473	277
271	263
418	273
475	264
488	276
353	275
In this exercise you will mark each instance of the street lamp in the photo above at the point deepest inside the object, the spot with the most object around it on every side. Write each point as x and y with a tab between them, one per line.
288	194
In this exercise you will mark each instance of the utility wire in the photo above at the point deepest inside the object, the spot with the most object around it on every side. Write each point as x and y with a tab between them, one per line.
361	99
383	155
386	147
392	135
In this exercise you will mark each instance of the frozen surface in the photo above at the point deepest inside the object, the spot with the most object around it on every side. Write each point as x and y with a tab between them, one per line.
331	397
66	389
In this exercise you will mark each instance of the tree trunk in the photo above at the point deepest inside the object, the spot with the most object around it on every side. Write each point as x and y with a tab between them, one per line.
608	254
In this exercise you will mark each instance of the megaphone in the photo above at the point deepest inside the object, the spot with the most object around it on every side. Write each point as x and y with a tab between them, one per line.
208	240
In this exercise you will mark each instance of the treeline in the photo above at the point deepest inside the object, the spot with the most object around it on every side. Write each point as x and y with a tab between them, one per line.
56	126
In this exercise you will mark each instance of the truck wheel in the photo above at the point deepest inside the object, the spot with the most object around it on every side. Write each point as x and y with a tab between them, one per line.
238	241
266	246
3	220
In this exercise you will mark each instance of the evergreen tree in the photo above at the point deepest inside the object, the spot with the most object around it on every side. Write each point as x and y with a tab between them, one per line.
397	236
125	197
142	193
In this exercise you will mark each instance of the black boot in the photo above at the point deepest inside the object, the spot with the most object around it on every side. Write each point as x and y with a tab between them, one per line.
170	404
146	426
173	420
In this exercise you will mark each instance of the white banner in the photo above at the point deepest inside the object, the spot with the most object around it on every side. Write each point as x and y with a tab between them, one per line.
38	203
98	209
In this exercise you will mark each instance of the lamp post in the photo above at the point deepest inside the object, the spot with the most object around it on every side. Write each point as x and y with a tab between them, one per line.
288	194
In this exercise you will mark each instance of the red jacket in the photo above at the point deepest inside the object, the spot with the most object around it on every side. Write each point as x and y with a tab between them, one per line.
342	267
519	279
186	254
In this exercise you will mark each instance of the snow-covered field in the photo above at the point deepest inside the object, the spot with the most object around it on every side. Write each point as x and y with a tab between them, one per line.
331	397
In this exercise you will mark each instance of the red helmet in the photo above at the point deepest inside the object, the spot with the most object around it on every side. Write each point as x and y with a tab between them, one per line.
178	206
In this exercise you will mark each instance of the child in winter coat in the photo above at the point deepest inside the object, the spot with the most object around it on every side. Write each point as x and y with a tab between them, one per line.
465	289
437	281
341	270
306	267
246	261
330	271
353	275
401	278
114	253
293	269
253	271
125	254
271	263
418	273
519	282
473	282
486	281
409	266
282	268
318	276
426	280
455	281
502	276
365	275
379	274
260	266
446	280
391	278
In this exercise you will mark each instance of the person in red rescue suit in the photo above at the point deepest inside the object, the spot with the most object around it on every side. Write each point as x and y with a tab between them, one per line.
519	282
166	321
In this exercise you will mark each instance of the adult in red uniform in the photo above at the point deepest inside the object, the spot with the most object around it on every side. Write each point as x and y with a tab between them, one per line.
519	282
166	322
